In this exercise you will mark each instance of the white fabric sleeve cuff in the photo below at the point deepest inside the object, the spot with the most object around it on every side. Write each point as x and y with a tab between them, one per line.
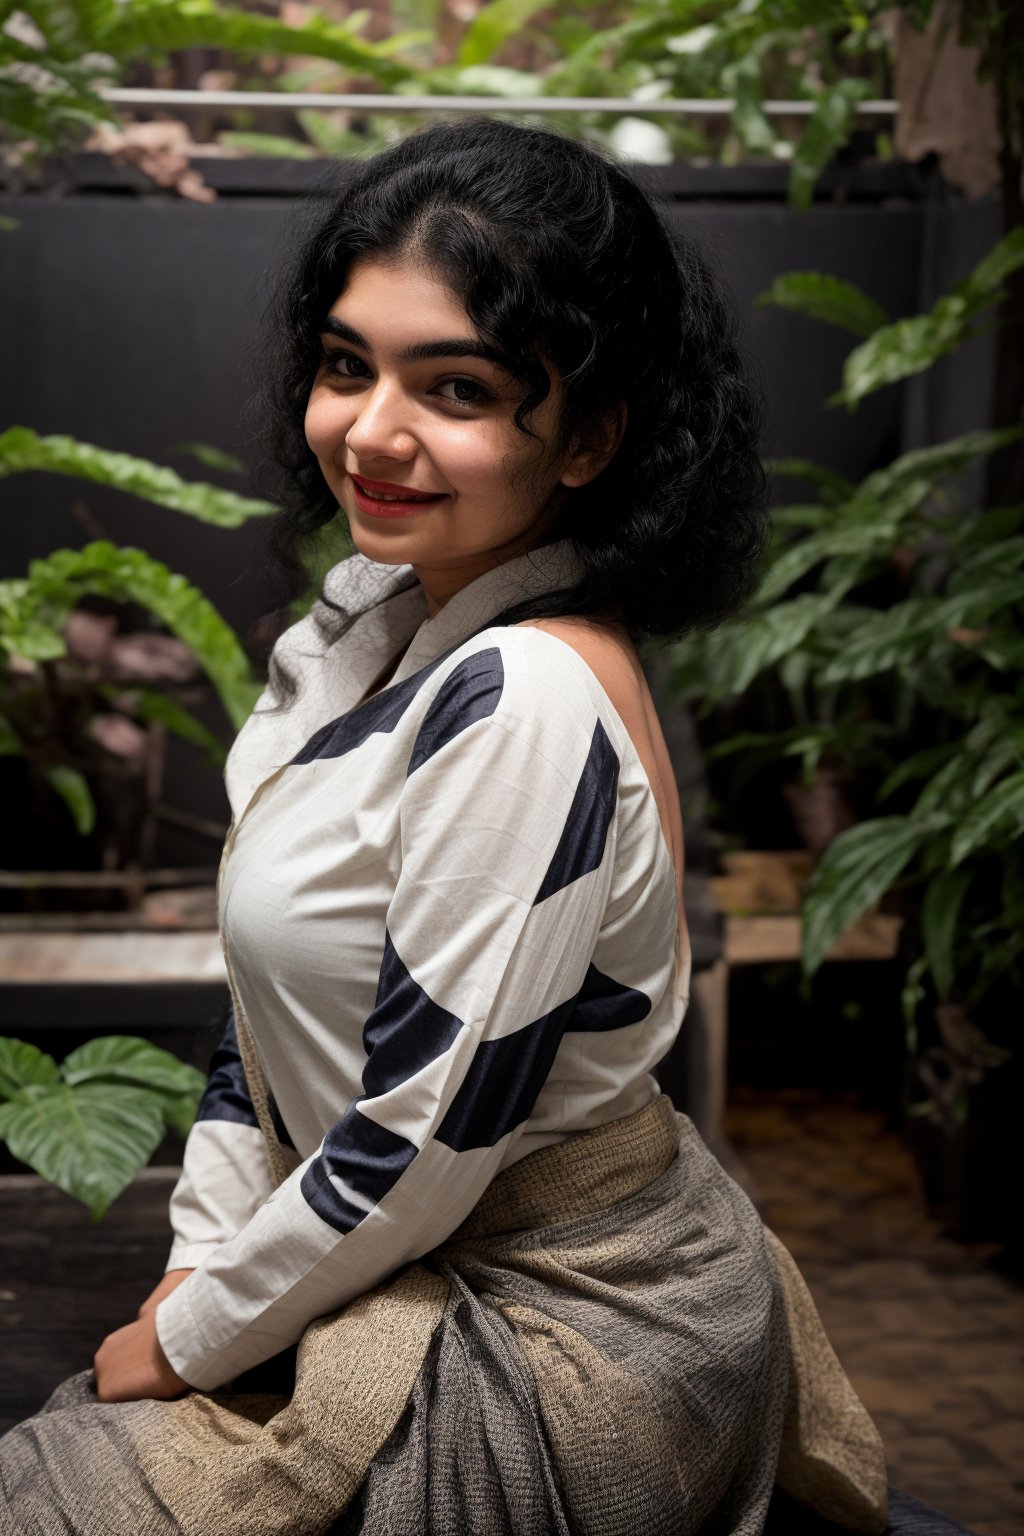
189	1255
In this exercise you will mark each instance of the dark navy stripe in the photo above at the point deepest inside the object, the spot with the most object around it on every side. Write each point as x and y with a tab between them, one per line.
469	693
226	1096
280	1129
406	1030
502	1084
581	845
506	1075
379	713
603	1003
366	1156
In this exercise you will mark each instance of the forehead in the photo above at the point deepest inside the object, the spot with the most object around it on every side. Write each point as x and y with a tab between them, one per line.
395	301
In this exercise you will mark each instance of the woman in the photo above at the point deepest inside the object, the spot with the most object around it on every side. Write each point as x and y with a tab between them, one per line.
445	1260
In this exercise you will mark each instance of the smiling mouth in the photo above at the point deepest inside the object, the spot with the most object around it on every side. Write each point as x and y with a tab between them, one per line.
380	499
382	490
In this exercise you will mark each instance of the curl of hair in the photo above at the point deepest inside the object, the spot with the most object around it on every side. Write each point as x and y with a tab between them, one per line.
552	248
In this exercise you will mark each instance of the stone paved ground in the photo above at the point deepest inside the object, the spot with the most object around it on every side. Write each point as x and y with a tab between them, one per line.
930	1330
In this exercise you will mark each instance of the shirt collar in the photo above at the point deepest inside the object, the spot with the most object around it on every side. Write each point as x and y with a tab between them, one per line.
467	611
332	674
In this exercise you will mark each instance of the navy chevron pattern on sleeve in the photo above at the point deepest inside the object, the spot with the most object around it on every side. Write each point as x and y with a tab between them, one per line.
581	846
471	692
356	1166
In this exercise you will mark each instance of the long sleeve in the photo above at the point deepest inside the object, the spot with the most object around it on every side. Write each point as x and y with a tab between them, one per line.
225	1173
507	831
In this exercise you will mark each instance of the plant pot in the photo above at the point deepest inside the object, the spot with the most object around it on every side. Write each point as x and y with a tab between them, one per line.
821	810
963	1159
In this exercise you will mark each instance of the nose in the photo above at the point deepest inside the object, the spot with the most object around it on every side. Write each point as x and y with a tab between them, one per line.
380	429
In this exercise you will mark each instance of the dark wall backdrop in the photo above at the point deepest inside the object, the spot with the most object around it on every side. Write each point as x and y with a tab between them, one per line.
129	318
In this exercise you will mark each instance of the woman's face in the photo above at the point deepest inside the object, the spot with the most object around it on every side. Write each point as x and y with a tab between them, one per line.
407	400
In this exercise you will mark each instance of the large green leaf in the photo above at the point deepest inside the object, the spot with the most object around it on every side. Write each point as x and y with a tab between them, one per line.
995	819
940	912
21	449
11	744
918	766
770	635
743	81
164	26
1005	258
26	631
856	870
832	486
828	127
1004	753
903	635
73	789
90	1140
823	297
127	1059
22	1064
922	467
492	26
865	544
901	349
911	345
129	575
994	561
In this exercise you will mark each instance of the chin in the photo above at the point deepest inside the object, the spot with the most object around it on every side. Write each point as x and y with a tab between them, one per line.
385	545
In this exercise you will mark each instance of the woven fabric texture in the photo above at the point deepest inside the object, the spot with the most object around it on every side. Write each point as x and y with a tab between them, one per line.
612	1342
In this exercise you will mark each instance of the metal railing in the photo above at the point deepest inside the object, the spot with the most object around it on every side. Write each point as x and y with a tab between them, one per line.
693	106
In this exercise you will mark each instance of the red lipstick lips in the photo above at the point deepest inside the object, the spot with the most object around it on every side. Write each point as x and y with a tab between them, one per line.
381	498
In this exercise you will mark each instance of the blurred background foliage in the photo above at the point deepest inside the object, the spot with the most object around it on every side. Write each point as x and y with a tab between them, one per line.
830	54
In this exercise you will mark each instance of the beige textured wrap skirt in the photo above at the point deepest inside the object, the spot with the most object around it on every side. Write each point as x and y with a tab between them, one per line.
612	1343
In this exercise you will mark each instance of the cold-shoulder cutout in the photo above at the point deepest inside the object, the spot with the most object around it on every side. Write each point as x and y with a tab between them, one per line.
612	658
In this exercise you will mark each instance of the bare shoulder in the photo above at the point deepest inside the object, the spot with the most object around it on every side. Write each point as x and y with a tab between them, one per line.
611	656
608	652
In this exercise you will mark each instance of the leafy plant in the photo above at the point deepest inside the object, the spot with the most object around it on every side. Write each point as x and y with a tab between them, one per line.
56	54
892	352
22	449
891	616
76	698
89	1124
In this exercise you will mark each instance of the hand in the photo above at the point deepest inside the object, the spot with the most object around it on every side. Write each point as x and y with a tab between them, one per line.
130	1364
170	1282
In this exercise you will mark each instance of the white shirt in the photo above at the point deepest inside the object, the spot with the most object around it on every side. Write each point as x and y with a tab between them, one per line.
450	919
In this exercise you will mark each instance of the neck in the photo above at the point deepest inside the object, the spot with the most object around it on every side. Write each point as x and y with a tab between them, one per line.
441	582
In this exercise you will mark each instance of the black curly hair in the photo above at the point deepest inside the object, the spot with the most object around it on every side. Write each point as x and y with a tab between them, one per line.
551	247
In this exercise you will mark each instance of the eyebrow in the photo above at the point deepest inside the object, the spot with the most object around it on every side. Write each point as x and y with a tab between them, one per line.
419	351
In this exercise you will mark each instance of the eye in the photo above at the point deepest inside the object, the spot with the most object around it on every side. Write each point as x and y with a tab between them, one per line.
465	392
344	365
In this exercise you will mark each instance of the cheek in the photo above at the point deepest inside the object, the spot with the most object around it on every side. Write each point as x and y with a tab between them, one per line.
480	459
327	423
469	456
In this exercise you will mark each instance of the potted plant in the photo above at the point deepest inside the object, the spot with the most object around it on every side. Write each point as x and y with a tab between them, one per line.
895	601
87	705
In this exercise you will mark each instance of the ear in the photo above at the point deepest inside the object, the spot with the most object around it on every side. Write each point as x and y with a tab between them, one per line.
594	447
